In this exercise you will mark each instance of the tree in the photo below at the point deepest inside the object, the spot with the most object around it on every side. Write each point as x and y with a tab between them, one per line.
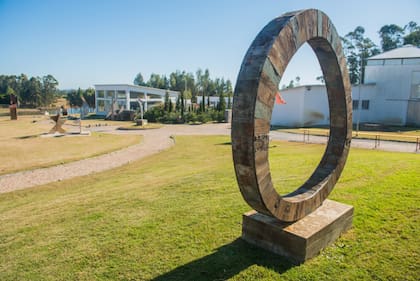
320	79
10	92
391	36
138	80
34	90
222	103
297	79
293	83
49	89
166	102
89	95
178	103
413	37
74	99
158	81
357	48
170	105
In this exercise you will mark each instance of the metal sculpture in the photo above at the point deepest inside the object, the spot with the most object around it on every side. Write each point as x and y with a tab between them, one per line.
13	107
59	122
256	87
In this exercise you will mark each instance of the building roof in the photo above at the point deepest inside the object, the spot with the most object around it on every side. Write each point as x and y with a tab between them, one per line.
406	51
134	87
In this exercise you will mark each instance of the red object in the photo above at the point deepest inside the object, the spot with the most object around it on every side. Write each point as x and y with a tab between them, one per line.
279	99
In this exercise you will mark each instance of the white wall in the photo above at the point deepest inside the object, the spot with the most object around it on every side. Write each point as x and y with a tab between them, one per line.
316	110
393	83
308	106
289	114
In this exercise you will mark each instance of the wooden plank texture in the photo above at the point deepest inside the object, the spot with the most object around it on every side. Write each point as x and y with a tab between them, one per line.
255	90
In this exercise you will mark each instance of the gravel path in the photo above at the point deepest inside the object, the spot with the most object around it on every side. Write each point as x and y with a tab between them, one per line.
154	141
360	143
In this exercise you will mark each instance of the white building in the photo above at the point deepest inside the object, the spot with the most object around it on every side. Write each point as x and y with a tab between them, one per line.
127	97
213	100
390	95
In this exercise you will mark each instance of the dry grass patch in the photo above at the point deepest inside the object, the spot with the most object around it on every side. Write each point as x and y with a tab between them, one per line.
23	148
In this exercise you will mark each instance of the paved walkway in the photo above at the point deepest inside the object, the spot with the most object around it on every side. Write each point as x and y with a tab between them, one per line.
154	140
360	143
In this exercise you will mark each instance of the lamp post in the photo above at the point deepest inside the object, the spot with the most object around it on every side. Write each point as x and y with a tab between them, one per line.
358	101
182	98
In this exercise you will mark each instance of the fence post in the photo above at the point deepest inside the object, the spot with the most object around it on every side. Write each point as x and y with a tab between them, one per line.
377	141
305	136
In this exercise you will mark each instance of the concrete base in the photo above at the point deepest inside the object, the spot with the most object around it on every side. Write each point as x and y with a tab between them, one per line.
141	122
67	134
301	240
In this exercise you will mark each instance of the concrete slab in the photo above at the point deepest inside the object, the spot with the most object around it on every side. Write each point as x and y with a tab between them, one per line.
67	134
300	240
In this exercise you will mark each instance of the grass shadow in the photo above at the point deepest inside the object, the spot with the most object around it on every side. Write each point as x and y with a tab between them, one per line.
224	143
226	262
28	137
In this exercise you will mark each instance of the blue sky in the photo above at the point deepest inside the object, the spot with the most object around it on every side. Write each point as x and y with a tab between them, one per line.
87	42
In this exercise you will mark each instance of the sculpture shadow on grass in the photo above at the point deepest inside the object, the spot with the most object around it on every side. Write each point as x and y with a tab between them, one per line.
226	262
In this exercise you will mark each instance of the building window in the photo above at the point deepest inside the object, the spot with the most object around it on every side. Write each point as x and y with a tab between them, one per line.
393	61
136	95
365	104
411	61
355	104
110	94
101	94
121	104
101	105
121	95
375	62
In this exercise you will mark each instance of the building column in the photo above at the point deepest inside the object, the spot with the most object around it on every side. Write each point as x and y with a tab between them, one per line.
145	101
127	99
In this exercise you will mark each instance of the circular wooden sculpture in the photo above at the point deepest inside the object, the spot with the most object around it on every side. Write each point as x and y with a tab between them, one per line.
256	87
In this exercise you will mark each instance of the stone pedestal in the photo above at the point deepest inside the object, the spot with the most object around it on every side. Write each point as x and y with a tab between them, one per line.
228	115
13	112
300	240
141	122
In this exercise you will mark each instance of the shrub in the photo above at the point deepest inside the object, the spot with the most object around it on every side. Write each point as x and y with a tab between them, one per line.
153	114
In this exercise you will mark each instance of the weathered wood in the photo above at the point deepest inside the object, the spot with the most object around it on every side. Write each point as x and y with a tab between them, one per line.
300	240
256	87
59	122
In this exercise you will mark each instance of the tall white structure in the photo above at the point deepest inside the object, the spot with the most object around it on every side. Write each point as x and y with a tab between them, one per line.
127	97
396	75
390	95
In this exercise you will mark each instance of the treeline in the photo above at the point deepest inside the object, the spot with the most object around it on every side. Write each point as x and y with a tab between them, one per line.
31	92
75	98
358	47
189	85
183	112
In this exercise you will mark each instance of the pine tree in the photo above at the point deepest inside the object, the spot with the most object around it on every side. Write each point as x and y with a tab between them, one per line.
166	102
222	102
170	105
178	104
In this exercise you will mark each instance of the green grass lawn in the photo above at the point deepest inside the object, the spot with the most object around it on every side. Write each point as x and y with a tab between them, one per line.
177	216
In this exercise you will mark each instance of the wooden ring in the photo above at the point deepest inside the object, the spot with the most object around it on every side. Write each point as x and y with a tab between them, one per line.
255	90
